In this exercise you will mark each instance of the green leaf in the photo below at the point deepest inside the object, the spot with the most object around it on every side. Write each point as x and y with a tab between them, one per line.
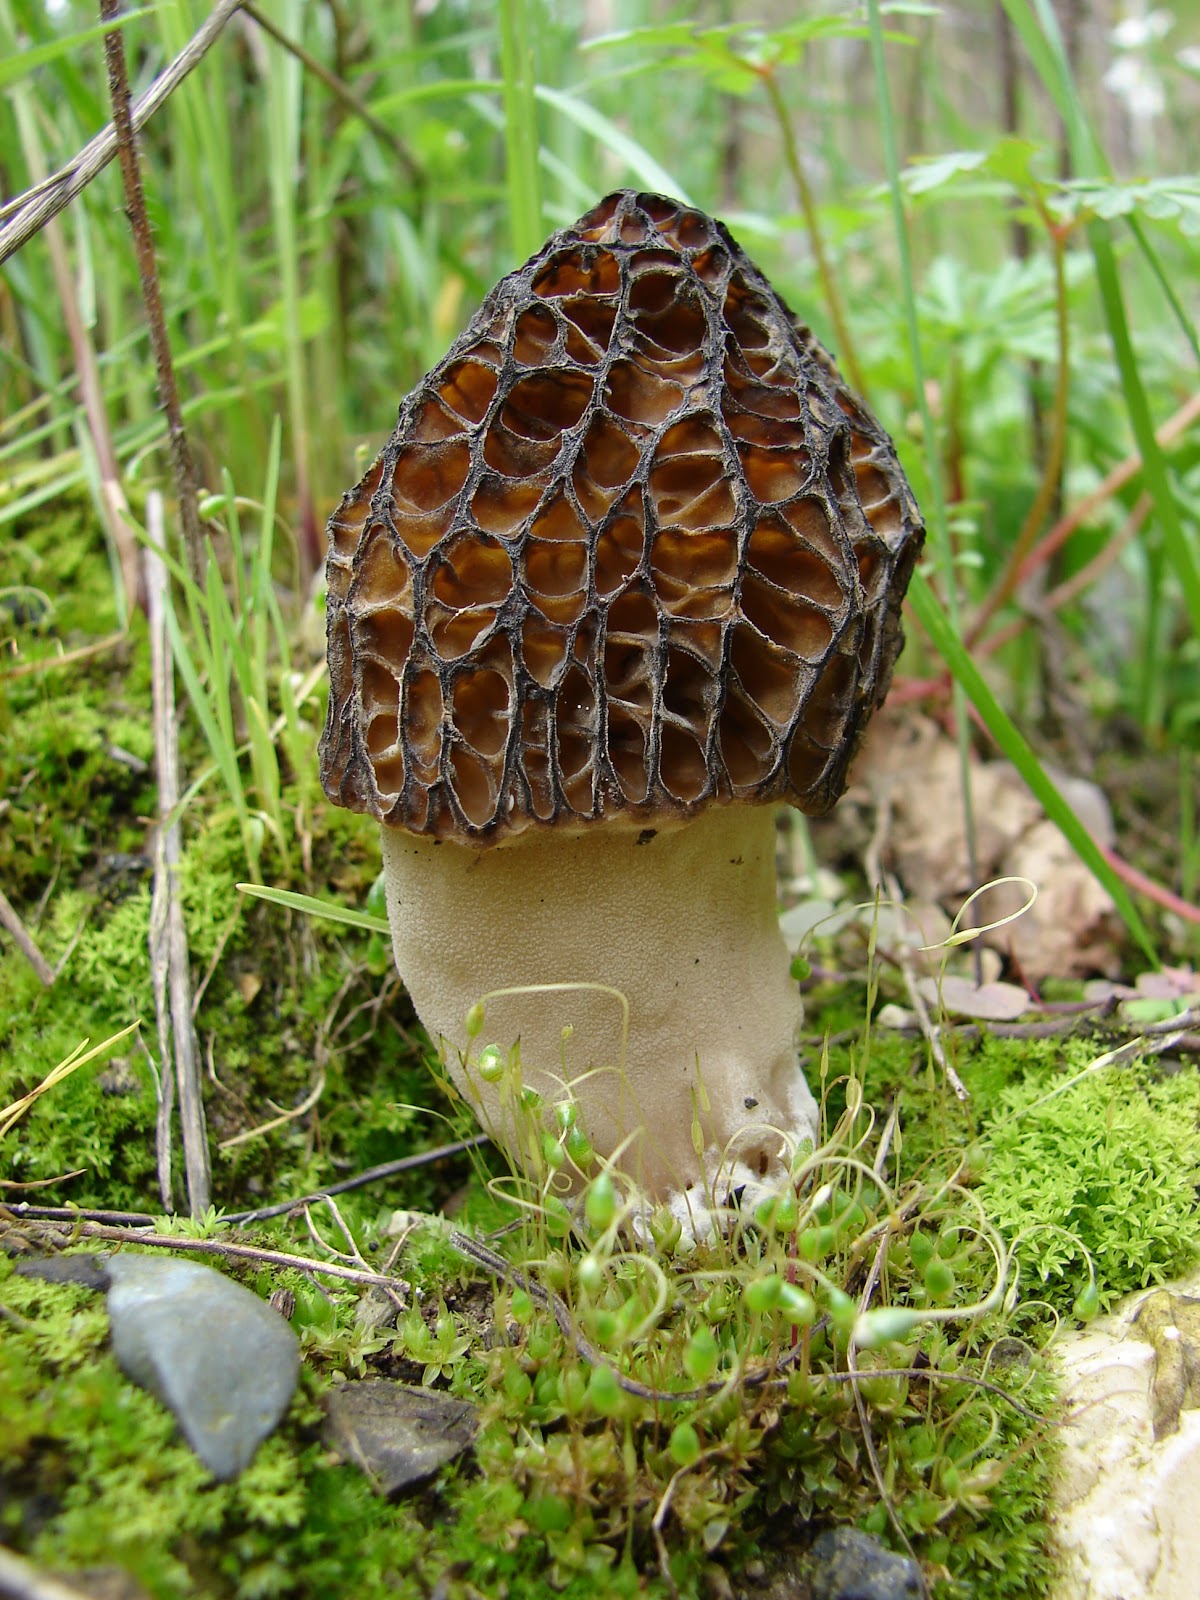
331	910
932	173
639	161
23	62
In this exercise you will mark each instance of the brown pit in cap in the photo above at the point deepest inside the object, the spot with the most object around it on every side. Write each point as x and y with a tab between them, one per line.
632	547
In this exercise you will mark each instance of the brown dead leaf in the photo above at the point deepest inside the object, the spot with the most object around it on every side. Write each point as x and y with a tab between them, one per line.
984	1002
909	774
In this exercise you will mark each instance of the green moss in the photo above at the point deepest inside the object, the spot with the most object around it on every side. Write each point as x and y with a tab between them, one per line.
568	1471
1112	1162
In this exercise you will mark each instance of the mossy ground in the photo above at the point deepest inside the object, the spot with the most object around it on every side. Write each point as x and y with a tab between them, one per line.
567	1474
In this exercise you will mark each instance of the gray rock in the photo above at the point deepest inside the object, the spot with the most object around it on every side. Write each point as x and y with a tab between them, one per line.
87	1269
849	1565
398	1435
216	1355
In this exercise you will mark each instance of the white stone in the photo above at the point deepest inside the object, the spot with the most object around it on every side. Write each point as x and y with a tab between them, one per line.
1127	1523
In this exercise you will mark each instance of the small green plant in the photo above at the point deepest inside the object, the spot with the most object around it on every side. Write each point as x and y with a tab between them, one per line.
237	666
667	1381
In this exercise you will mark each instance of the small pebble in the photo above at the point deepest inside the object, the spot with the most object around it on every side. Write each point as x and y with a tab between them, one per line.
398	1435
849	1565
219	1358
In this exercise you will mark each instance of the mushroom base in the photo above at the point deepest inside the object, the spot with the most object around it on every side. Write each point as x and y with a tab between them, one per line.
681	921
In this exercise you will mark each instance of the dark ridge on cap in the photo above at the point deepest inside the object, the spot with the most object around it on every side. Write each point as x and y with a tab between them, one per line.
633	547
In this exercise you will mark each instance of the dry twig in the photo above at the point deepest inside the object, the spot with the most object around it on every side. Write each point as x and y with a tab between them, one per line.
57	1236
139	224
13	924
341	91
169	964
21	1580
29	213
115	507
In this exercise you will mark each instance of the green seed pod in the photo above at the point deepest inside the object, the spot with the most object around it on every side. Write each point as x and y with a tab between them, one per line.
884	1325
553	1153
763	1294
565	1113
556	1271
800	969
606	1325
843	1310
939	1280
920	1248
531	1100
814	1244
797	1306
520	1307
684	1445
474	1020
1087	1302
702	1355
590	1273
579	1148
600	1203
778	1212
491	1063
572	1390
604	1391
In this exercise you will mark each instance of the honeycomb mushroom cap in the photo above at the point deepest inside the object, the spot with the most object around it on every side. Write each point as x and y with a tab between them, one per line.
632	548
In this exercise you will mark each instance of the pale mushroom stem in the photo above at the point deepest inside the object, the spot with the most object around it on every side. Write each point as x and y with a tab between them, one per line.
682	920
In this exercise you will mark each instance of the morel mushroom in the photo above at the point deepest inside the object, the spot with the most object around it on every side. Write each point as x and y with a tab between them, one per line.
628	571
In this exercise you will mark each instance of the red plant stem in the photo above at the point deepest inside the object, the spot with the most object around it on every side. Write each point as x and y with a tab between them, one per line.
1147	886
1116	480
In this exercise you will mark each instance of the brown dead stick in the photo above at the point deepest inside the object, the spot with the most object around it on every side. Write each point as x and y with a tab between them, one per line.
12	922
57	1237
91	392
169	965
30	212
143	244
21	1580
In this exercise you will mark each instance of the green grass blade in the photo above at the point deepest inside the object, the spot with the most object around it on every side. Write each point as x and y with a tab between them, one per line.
942	625
330	910
520	129
1154	465
1038	28
1178	309
21	63
636	157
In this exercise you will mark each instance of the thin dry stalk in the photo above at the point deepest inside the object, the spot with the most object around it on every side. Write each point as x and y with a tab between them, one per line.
169	965
21	1580
30	212
85	652
59	1237
139	224
16	928
115	507
341	91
